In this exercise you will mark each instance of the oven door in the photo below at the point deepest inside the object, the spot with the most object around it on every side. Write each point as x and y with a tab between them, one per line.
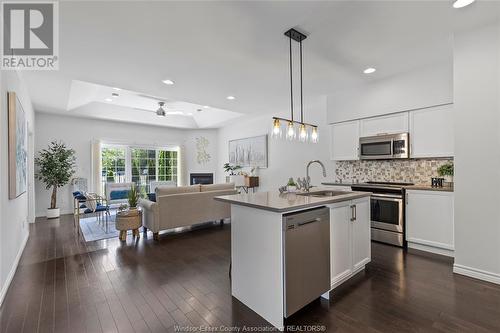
387	212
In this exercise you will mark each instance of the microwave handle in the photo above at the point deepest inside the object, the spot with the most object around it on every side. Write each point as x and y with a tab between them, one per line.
392	147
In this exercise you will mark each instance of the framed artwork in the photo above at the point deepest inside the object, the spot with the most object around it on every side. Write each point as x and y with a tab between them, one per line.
249	152
18	147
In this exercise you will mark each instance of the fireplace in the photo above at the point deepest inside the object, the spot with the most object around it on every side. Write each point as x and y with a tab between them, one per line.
201	178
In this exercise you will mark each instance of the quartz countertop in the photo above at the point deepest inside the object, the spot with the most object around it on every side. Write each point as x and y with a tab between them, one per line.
284	202
426	187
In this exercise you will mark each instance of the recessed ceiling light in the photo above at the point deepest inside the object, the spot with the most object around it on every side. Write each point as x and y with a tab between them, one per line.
108	99
369	70
231	97
206	106
190	114
117	89
462	3
168	82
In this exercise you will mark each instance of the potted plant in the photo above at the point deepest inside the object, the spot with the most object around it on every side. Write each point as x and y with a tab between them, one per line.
231	168
133	197
447	171
291	186
238	180
56	165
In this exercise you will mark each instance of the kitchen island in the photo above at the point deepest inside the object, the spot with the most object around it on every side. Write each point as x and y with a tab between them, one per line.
258	251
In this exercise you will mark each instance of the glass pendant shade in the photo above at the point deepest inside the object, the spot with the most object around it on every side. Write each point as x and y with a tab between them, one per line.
276	131
290	131
303	133
314	135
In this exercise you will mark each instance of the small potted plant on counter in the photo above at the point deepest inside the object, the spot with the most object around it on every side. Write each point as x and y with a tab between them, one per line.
447	171
291	186
56	165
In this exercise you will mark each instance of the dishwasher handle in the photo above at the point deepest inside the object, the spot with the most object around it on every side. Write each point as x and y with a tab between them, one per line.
307	222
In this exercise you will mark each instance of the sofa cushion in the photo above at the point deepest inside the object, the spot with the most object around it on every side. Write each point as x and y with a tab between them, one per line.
217	187
118	194
152	197
166	190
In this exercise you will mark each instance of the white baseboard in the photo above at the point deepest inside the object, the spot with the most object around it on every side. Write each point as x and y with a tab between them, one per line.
476	273
63	212
432	249
13	269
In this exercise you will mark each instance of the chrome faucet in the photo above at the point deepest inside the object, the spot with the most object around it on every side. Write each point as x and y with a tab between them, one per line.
308	179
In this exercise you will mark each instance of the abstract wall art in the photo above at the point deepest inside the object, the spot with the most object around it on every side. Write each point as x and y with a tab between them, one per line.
18	147
249	152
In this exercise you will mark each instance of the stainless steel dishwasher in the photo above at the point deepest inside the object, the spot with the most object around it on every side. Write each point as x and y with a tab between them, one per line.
306	250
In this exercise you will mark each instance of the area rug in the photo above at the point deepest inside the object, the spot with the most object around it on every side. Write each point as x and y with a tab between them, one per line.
93	231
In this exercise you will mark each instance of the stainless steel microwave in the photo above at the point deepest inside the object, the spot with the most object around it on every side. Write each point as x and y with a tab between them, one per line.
385	146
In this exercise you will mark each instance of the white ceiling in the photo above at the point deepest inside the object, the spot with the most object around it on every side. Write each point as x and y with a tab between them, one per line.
215	49
98	101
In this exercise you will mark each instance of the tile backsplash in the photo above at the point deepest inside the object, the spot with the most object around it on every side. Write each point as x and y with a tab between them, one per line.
417	171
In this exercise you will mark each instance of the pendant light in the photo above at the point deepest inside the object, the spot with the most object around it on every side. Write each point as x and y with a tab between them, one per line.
302	132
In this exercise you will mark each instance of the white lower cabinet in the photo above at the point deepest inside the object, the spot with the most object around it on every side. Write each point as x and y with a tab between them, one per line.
350	244
430	221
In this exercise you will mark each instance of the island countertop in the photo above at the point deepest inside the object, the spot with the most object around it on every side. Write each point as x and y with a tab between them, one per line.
284	202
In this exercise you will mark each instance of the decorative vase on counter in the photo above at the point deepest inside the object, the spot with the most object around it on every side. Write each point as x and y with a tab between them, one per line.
291	188
448	180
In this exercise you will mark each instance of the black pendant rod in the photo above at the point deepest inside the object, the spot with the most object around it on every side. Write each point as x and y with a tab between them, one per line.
291	78
301	93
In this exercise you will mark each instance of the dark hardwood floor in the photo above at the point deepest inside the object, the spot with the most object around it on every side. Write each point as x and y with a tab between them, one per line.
65	285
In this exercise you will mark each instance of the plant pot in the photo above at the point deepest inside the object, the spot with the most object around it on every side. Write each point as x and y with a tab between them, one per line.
291	189
238	180
448	180
53	213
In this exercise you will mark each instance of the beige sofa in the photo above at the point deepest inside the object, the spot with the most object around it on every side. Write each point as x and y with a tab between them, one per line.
185	205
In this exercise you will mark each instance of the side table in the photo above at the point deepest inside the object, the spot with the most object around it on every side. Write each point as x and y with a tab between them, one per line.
128	220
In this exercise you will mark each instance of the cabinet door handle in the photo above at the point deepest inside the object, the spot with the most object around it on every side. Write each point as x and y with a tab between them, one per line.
352	213
355	212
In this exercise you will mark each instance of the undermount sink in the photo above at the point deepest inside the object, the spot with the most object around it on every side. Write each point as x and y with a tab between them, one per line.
325	193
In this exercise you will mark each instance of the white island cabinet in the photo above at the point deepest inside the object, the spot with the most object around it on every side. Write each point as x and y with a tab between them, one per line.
258	256
350	248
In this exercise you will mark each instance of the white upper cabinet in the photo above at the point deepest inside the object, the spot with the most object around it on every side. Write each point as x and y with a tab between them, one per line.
431	132
345	141
390	124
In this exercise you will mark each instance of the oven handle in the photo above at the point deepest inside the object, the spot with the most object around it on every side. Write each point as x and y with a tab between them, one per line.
388	197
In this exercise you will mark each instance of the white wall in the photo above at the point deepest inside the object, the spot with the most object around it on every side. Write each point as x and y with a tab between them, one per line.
78	134
14	214
285	159
429	86
477	153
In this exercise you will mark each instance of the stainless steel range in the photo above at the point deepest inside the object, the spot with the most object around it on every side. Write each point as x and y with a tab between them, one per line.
387	211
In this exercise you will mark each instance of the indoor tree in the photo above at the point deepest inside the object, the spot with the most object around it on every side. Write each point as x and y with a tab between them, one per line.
56	165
